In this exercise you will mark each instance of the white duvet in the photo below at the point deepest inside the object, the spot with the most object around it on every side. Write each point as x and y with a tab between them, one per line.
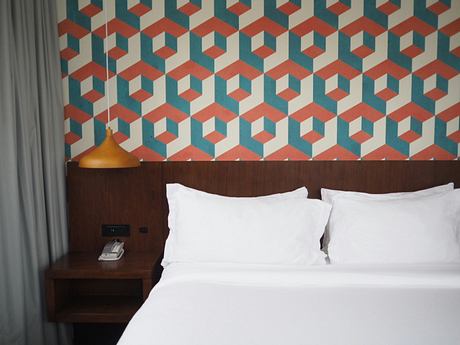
318	305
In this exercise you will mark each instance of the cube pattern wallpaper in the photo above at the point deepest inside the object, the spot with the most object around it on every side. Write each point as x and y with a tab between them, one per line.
263	80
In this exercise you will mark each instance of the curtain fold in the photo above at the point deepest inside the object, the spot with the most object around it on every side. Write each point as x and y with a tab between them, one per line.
33	229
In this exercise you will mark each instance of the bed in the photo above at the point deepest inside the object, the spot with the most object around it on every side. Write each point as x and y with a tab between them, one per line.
324	304
236	304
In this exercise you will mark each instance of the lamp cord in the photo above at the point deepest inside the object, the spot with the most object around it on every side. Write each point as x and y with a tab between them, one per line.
107	93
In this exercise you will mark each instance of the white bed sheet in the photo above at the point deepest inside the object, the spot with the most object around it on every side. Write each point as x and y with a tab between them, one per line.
326	304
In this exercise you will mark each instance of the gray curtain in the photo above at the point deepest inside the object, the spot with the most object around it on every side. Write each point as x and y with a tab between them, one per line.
32	189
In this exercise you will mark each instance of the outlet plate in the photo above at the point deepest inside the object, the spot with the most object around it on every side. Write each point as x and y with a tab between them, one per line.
115	230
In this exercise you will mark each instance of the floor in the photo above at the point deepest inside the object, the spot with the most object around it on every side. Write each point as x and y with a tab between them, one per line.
97	333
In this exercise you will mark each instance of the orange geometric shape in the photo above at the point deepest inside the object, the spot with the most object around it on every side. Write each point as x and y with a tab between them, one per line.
313	51
388	8
147	154
287	153
412	51
139	9
336	152
190	153
385	152
263	137
239	153
190	95
263	24
165	110
410	109
436	94
288	67
239	67
288	8
216	110
90	10
68	53
190	68
123	113
166	137
93	96
386	94
433	152
140	68
71	138
410	136
214	137
288	94
239	94
239	8
76	114
262	110
214	52
310	110
361	109
115	53
338	8
438	8
361	136
165	52
141	95
263	52
455	136
312	137
189	9
362	51
413	24
164	25
313	24
337	94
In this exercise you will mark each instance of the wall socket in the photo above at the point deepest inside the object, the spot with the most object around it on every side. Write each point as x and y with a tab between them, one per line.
113	230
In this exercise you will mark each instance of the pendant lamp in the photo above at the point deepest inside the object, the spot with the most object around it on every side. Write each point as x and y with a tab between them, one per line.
109	154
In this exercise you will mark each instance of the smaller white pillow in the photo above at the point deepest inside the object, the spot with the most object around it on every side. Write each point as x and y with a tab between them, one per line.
328	195
411	230
282	229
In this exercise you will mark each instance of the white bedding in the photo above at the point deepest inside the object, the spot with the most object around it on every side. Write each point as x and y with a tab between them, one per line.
210	304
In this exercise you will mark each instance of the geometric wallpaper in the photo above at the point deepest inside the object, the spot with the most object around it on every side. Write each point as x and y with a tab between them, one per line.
273	79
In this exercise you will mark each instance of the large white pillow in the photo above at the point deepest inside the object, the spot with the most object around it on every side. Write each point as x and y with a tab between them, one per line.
280	229
421	229
328	195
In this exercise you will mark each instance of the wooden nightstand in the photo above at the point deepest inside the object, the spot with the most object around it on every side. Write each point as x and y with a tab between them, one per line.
81	289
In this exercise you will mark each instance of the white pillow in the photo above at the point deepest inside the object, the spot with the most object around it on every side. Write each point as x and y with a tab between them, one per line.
412	230
328	195
280	229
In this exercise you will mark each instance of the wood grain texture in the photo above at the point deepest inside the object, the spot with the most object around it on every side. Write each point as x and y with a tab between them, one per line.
138	196
81	289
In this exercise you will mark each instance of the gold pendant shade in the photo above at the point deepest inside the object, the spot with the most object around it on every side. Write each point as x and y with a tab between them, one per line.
109	155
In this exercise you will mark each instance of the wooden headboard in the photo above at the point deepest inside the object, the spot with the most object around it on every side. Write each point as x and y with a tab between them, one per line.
137	196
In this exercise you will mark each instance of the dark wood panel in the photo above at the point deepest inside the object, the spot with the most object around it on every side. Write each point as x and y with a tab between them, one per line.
115	196
137	196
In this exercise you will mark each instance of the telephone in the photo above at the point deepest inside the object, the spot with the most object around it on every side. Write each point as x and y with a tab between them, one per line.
112	251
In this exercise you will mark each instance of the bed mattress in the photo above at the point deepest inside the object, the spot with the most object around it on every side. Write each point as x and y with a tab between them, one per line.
214	304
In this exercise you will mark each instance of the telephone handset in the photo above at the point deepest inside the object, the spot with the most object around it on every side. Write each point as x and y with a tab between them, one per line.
112	251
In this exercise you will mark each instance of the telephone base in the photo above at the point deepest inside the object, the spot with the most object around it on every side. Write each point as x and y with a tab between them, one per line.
111	257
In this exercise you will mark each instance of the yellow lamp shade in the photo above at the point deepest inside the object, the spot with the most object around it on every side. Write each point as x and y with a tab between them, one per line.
109	155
